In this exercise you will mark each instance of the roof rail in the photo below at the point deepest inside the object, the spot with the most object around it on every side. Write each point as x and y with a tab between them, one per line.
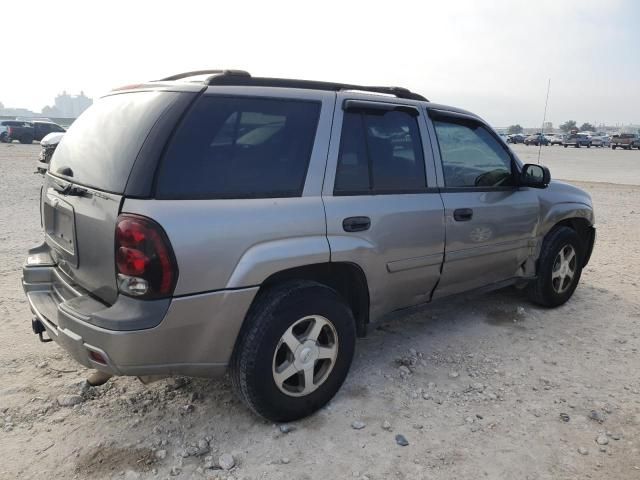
243	78
249	81
180	76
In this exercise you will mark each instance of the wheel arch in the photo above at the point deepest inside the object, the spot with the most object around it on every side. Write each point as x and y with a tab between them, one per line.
582	224
348	279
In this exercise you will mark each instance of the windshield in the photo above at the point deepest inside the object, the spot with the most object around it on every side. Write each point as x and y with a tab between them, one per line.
102	144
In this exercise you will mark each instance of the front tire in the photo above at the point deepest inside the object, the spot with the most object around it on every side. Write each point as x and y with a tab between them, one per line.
294	350
559	268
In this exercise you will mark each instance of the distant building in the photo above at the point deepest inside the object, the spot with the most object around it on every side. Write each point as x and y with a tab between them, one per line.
68	106
547	126
16	112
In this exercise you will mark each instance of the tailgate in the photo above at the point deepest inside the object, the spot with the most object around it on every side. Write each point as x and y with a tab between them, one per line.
79	227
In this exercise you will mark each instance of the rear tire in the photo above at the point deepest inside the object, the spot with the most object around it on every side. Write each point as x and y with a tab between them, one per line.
559	268
277	351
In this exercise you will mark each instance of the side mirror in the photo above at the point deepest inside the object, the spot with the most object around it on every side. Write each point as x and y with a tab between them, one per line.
535	176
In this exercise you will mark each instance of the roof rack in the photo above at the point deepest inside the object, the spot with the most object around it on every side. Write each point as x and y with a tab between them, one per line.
195	73
243	78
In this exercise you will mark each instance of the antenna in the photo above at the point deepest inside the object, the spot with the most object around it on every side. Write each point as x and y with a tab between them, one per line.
544	119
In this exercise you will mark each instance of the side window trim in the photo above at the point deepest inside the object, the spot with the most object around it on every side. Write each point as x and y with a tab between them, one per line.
364	105
434	114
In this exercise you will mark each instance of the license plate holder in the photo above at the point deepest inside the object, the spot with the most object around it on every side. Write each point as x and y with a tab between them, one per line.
59	224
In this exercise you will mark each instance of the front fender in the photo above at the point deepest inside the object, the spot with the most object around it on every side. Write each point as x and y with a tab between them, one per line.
264	259
563	211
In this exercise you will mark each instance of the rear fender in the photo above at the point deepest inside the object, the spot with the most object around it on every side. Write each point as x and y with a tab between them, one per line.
265	259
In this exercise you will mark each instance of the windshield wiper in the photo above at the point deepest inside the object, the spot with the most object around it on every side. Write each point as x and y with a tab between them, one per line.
69	189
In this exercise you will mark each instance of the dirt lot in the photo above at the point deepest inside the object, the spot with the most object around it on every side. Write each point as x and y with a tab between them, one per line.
481	387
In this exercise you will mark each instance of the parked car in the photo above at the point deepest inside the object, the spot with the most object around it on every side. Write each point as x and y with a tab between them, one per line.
284	218
556	139
48	144
17	130
577	140
626	141
600	141
43	128
536	139
516	138
3	132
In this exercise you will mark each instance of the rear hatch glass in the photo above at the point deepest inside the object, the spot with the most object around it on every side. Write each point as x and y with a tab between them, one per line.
102	144
90	167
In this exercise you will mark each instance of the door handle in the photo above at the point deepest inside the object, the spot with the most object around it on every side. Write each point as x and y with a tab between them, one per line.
356	224
462	214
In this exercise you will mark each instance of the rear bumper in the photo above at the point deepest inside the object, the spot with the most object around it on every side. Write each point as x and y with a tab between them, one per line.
191	335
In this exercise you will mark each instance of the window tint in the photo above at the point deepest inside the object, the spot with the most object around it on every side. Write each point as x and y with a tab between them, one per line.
102	144
240	147
471	155
380	152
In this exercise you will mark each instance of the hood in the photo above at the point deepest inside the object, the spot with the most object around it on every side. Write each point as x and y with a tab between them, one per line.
51	139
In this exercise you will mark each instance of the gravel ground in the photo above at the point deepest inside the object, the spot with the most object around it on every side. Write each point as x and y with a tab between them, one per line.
479	387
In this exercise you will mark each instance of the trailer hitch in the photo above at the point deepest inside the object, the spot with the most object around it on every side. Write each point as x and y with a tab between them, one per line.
38	329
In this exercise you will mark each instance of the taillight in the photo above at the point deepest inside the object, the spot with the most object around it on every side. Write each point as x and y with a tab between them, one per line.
145	264
9	131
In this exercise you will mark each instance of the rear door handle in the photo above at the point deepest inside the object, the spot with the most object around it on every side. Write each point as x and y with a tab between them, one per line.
462	214
356	224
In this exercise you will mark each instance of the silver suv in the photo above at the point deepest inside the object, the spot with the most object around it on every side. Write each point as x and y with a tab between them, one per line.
213	222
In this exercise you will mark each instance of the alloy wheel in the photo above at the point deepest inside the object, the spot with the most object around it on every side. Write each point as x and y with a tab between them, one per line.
564	269
305	356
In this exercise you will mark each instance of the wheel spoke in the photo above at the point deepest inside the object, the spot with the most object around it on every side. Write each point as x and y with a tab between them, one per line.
563	259
314	333
290	340
308	380
325	353
570	256
285	374
556	274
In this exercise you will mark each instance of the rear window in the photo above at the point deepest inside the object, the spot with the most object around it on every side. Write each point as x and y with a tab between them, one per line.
380	152
102	144
240	147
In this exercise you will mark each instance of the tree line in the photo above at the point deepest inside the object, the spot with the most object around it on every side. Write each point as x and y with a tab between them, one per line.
565	127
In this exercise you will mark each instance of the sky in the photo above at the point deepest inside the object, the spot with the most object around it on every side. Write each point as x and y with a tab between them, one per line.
493	57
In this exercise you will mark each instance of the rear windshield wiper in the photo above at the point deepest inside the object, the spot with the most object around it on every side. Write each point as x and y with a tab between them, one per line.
69	189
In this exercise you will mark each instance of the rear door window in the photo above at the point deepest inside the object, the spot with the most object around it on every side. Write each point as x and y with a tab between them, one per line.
380	153
102	144
240	147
